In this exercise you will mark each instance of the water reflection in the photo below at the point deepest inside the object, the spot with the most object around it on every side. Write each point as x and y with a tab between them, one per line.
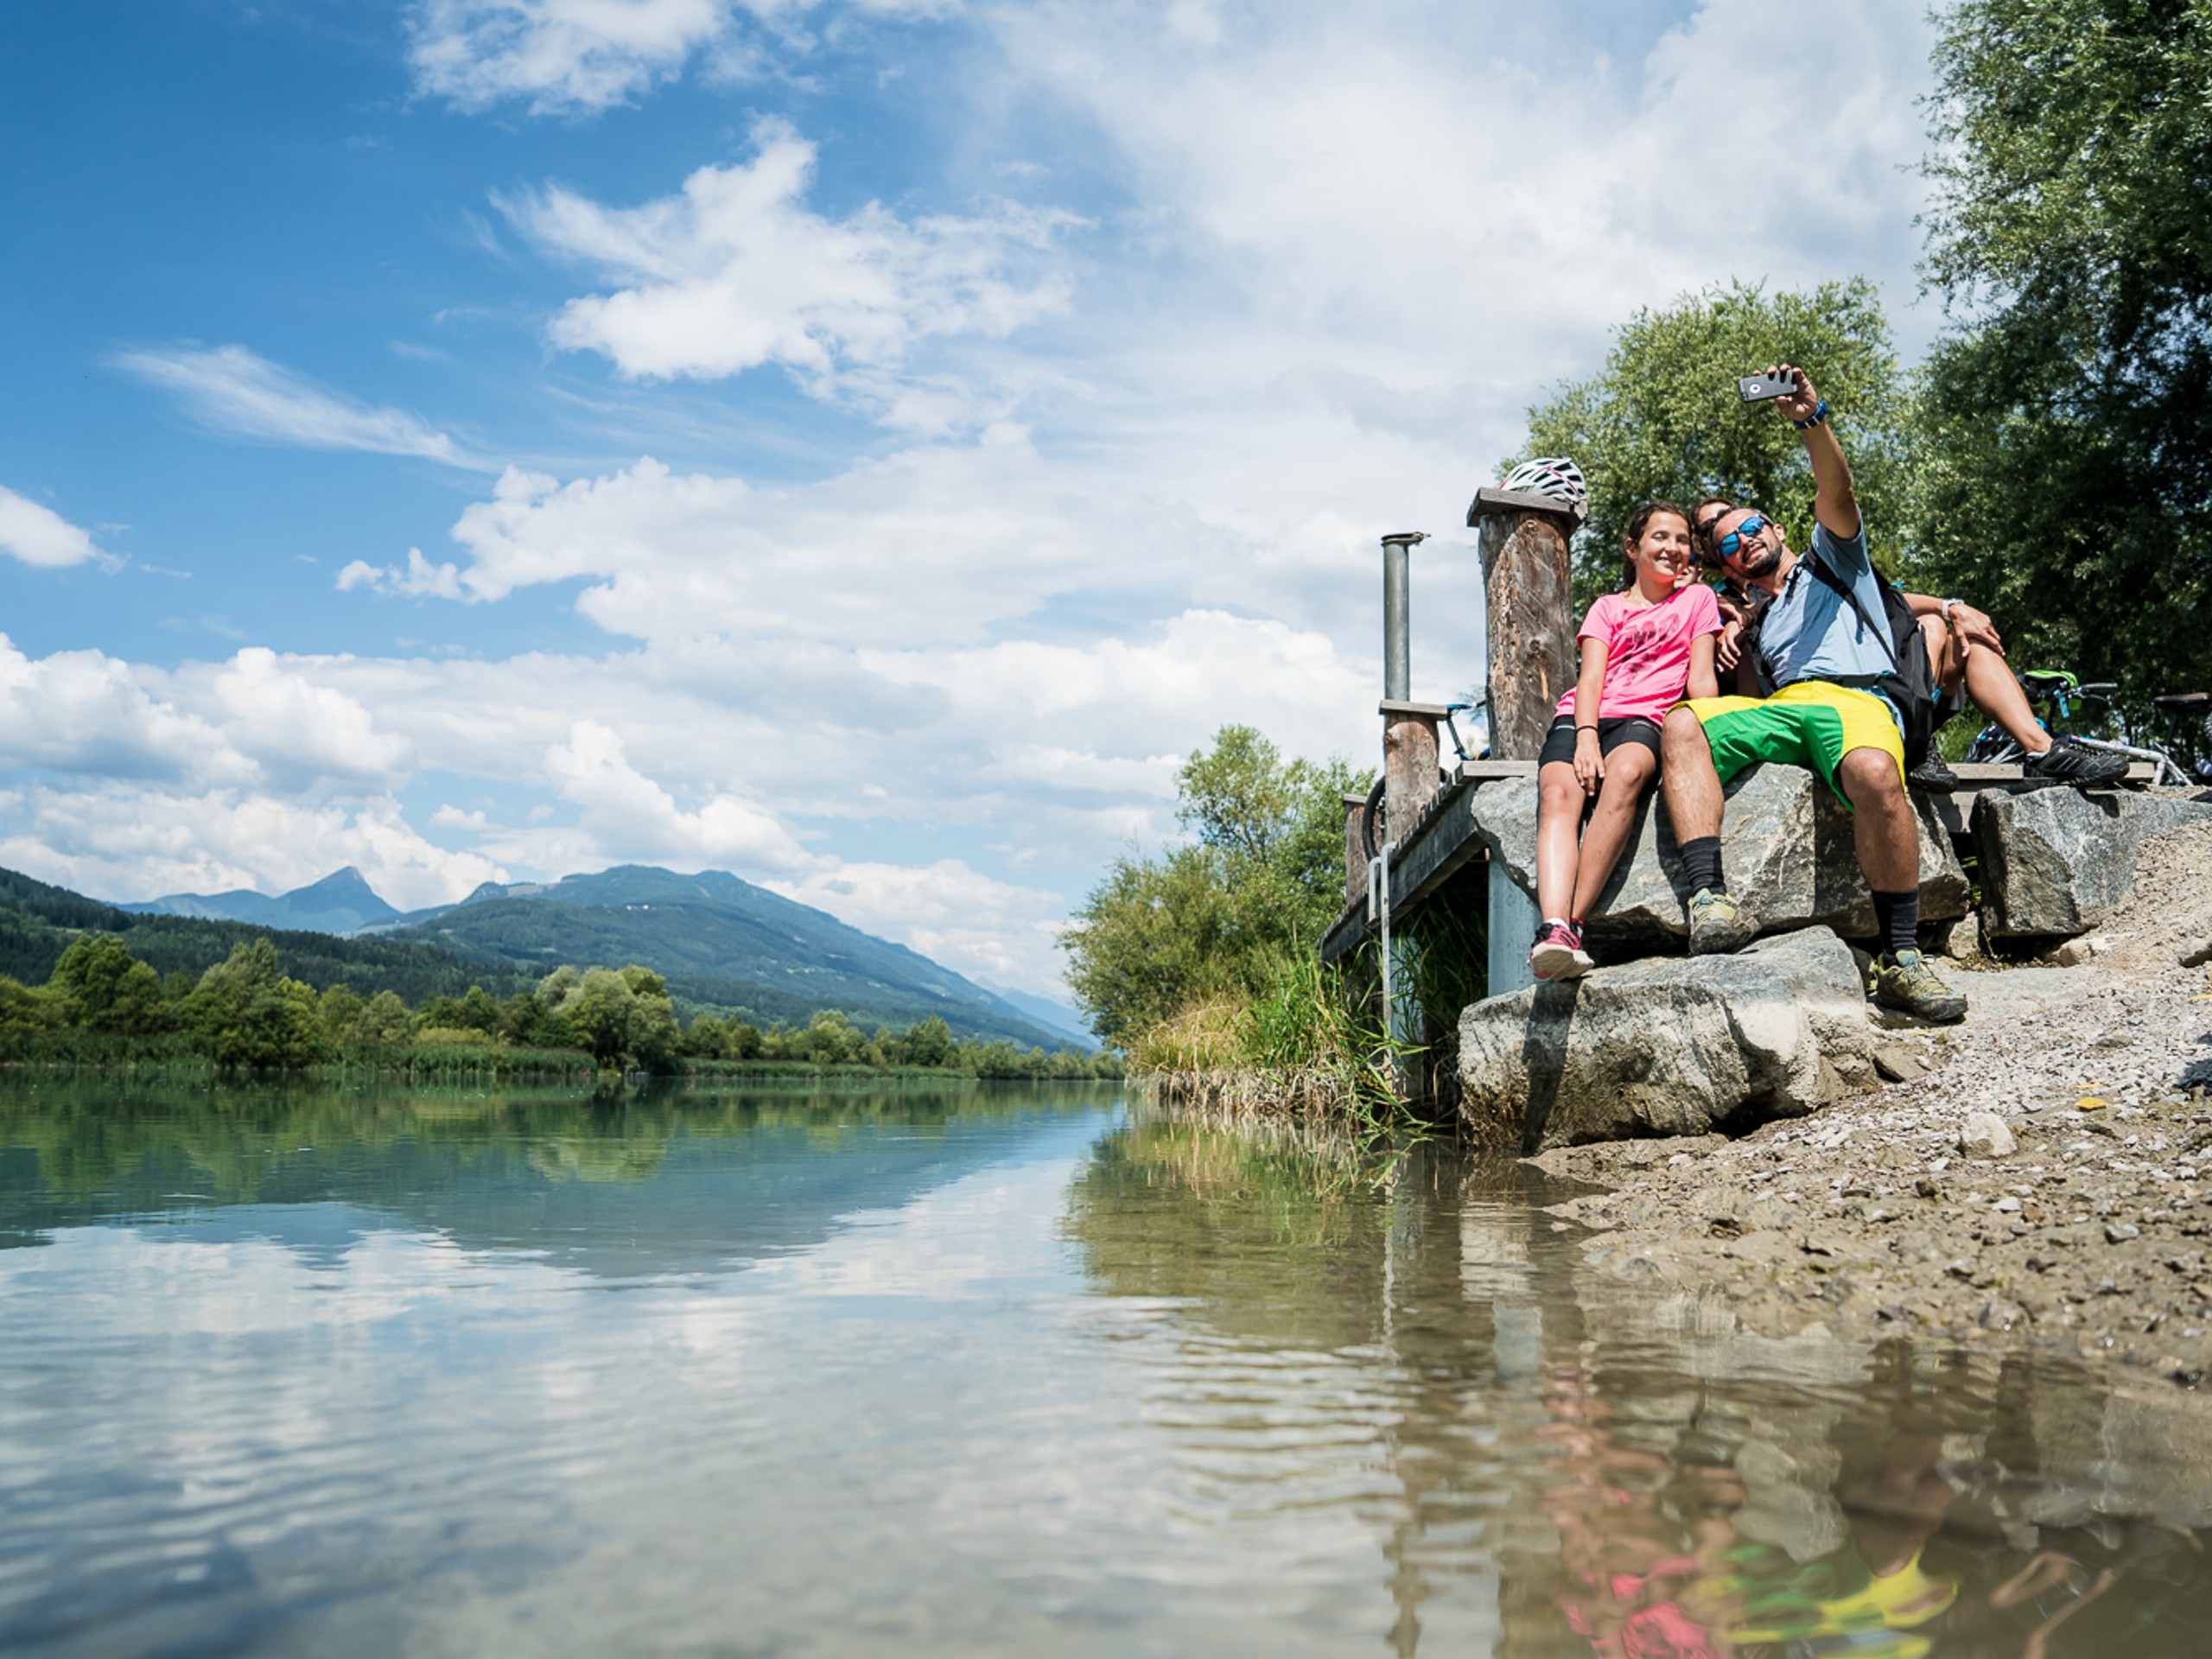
1580	1468
986	1370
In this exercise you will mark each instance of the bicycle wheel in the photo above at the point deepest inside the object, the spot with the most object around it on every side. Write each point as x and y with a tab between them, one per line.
1373	828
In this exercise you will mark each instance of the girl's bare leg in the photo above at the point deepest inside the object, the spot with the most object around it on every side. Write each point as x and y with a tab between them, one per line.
1628	770
1559	825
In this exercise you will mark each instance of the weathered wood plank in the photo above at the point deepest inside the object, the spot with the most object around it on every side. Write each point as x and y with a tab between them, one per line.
1532	657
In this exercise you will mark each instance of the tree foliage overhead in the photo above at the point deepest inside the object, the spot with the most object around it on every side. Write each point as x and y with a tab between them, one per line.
1263	880
2070	448
1663	417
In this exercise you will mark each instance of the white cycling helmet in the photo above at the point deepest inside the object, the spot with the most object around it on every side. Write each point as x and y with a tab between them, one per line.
1552	475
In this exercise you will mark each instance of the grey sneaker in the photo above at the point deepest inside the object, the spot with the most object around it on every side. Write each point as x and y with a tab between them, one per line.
2069	762
1935	777
1906	984
1718	924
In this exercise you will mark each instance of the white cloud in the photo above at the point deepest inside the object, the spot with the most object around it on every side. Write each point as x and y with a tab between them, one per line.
563	57
120	842
624	809
419	579
735	272
229	389
38	535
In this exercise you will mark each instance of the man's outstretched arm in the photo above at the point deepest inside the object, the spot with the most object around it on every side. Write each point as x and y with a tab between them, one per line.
1834	503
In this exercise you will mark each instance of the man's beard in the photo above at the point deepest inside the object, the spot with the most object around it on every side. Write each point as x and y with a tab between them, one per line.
1763	563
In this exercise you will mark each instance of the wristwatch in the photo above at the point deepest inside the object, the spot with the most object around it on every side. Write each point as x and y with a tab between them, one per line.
1819	414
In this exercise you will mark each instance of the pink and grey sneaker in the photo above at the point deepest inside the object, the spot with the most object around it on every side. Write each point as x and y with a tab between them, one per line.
1557	952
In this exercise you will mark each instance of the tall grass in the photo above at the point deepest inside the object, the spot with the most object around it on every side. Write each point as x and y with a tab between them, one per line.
1305	1040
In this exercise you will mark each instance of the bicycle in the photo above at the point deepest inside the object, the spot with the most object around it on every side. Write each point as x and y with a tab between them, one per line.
2053	693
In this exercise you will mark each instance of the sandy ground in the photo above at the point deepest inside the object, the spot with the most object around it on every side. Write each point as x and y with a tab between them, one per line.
1906	1209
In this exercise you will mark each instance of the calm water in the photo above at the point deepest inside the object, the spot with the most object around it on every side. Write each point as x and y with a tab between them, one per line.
1004	1370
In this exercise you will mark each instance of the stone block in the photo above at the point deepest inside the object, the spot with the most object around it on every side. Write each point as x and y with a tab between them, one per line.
2057	862
1674	1046
1785	842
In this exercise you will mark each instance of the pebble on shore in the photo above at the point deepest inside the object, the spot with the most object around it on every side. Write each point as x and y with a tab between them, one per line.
2043	1172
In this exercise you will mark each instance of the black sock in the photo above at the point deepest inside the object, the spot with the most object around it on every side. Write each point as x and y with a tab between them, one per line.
1701	859
1897	919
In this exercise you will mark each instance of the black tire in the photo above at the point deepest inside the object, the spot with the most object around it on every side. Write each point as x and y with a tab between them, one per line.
1373	829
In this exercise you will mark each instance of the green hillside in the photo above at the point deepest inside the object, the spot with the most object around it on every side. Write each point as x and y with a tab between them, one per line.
722	944
38	921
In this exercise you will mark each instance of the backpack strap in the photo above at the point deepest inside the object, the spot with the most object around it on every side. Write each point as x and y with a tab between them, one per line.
1851	598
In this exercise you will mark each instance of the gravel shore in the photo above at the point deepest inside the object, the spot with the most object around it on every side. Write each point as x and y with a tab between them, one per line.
2042	1174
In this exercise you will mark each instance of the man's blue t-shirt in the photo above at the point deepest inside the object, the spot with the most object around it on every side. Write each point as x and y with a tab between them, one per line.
1810	631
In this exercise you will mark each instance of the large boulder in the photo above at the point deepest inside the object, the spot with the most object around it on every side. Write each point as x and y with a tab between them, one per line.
2058	861
1669	1046
1785	843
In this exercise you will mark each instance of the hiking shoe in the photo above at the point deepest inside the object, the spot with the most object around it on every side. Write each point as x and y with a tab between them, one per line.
1718	924
1906	984
2069	762
1935	777
1557	952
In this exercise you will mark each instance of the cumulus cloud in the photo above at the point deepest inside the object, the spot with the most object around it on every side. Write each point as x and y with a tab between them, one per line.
624	808
232	389
734	271
560	57
38	535
117	840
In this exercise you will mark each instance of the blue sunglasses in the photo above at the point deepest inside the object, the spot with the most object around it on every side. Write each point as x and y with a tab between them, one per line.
1726	546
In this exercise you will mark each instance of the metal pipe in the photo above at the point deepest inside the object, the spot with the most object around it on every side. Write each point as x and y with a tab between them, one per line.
1397	629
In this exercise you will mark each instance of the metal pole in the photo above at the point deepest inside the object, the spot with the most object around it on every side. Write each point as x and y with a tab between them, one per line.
1397	631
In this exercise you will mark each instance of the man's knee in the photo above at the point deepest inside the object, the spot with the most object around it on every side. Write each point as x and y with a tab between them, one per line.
1942	655
1683	731
1869	775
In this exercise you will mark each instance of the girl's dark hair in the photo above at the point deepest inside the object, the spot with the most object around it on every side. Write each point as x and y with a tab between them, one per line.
1636	525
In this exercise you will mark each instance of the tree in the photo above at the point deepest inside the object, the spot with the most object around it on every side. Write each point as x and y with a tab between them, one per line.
1264	878
248	1013
100	986
2069	488
1663	420
613	1017
929	1042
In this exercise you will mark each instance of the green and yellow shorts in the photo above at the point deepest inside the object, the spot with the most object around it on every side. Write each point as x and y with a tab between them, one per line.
1812	724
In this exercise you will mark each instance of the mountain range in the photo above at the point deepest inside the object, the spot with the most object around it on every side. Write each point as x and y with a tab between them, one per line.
722	945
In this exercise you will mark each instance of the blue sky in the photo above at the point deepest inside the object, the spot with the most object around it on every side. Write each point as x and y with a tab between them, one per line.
862	446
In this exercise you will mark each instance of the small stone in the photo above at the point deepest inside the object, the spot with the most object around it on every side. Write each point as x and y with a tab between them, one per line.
1928	1187
2000	1315
1986	1136
1964	942
2006	1206
2072	954
1899	1062
1960	1269
2117	1232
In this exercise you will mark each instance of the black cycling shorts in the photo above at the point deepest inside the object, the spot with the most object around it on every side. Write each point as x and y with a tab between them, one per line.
1558	742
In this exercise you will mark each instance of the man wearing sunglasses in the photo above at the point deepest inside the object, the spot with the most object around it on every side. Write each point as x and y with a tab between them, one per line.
1968	655
1820	648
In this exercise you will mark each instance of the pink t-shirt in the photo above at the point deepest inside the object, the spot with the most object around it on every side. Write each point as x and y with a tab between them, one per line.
1647	649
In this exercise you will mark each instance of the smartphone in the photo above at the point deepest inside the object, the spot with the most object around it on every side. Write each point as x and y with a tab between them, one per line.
1764	388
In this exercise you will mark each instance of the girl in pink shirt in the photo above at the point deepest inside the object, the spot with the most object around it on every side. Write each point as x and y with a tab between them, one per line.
1644	649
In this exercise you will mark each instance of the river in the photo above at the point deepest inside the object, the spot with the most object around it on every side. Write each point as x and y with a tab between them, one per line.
987	1370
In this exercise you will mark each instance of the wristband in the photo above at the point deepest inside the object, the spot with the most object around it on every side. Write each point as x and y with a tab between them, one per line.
1815	418
1585	729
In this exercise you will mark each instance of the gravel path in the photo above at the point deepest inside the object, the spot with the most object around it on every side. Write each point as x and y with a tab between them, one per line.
2043	1172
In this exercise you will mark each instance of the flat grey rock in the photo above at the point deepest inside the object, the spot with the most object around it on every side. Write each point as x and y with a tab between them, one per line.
1785	843
2057	862
1672	1046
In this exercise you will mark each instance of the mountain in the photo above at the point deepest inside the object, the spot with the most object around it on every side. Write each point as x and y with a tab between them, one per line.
38	922
339	903
721	943
1053	1016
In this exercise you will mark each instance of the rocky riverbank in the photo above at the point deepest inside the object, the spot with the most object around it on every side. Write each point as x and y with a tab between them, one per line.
2042	1173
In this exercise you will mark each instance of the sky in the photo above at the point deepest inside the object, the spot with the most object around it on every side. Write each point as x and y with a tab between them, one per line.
863	446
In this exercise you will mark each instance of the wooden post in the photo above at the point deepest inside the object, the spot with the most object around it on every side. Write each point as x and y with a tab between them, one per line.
1526	582
1409	761
1354	849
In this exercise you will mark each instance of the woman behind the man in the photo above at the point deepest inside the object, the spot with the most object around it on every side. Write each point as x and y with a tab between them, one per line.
1644	649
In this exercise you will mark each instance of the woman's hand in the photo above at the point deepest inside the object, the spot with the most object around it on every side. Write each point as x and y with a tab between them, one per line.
1589	760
